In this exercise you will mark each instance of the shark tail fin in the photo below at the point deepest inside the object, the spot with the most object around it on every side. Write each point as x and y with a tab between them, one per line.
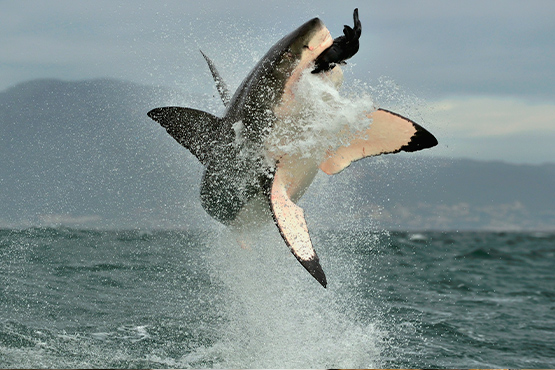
291	223
220	84
388	133
198	131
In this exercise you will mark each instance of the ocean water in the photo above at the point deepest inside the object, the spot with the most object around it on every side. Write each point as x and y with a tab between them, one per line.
74	298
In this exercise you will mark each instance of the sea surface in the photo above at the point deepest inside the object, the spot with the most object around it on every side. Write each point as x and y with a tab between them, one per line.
73	298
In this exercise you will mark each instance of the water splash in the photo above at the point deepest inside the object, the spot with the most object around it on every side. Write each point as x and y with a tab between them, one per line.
277	316
321	117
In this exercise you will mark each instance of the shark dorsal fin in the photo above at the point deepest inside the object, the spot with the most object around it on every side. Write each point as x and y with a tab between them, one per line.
220	84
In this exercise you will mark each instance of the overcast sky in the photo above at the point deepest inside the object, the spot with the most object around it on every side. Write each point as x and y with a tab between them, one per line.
478	74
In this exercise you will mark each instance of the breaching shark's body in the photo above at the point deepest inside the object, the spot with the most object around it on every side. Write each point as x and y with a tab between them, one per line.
243	171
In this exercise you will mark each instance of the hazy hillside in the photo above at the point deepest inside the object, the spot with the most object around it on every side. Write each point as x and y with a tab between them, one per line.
86	154
407	192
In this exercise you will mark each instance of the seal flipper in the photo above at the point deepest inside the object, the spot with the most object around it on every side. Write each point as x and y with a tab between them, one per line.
388	133
291	223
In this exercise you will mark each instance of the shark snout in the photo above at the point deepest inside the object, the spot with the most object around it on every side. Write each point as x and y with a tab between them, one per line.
320	42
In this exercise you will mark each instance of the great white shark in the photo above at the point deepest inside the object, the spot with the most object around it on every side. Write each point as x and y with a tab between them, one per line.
245	172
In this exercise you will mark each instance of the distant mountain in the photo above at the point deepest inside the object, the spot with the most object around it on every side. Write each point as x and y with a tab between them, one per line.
406	192
85	154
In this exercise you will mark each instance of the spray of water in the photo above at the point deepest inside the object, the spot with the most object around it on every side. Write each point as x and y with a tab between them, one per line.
279	317
321	118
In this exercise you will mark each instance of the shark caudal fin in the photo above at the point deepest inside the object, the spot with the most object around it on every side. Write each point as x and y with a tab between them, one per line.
291	223
388	133
198	131
220	84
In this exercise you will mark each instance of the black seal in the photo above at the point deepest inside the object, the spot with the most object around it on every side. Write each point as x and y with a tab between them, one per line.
343	47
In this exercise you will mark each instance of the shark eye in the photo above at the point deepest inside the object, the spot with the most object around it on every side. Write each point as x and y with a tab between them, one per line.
306	46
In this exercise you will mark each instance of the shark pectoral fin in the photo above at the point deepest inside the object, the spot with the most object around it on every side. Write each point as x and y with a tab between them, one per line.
291	223
388	133
194	129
